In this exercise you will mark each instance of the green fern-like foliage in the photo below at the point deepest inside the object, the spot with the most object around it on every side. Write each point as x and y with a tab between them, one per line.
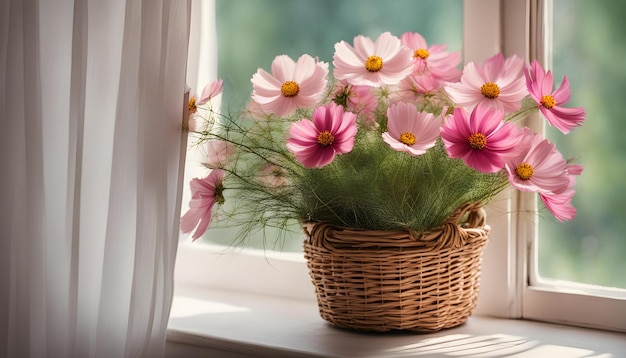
377	188
372	187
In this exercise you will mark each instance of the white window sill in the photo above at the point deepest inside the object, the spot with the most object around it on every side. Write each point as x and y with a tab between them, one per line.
229	324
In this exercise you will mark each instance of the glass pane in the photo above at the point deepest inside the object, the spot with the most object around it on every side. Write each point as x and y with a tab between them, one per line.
588	48
252	32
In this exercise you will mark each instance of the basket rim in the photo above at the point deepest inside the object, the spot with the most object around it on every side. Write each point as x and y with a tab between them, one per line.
449	235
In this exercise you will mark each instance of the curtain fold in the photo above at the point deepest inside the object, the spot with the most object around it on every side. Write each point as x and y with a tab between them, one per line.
92	99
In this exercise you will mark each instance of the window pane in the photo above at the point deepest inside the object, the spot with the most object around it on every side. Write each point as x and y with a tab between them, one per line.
252	32
589	48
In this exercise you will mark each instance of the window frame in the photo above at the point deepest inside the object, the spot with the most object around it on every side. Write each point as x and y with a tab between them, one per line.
524	28
509	286
555	300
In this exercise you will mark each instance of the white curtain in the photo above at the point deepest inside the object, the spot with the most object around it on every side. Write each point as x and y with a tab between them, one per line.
201	71
92	95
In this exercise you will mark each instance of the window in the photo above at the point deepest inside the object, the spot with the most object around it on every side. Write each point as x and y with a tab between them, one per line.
590	249
513	283
510	285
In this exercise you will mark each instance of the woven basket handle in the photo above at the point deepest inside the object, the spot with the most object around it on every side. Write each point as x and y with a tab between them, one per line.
455	234
475	215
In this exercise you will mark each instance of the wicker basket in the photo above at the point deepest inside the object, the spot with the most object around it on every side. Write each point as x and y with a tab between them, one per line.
392	280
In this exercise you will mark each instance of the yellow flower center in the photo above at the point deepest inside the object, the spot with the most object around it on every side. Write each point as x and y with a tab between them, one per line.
477	141
374	64
192	105
422	53
407	138
325	138
290	89
548	101
219	194
524	171
490	90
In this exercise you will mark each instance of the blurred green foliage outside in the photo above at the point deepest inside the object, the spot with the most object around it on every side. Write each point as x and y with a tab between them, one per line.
589	48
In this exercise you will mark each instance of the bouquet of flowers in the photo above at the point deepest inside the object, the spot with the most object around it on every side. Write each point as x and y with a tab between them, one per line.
397	138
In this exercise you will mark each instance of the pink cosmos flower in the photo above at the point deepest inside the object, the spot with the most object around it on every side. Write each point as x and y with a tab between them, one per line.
219	151
417	88
432	60
574	170
560	205
273	175
409	130
540	84
368	63
315	142
498	83
210	91
204	194
539	166
412	88
482	140
291	85
357	99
